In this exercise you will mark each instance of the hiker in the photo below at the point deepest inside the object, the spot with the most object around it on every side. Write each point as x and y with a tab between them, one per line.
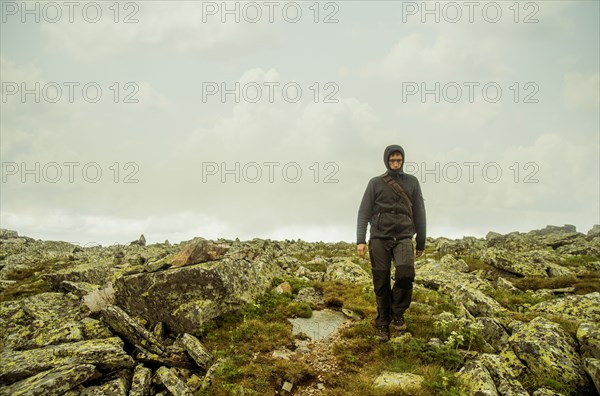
393	206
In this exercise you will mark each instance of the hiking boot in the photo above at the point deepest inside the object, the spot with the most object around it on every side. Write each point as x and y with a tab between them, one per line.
399	324
382	333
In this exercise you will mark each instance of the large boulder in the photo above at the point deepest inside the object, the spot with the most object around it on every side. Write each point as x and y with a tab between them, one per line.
549	351
581	307
186	297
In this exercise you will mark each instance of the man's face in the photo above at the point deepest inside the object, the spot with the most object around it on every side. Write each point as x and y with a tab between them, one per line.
395	160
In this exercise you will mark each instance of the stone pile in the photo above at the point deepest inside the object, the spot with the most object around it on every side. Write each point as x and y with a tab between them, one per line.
121	320
125	320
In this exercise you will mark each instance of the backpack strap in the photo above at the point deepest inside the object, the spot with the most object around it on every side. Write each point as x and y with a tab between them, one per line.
400	191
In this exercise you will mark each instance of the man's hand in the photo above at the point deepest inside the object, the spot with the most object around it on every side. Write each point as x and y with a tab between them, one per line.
418	253
361	248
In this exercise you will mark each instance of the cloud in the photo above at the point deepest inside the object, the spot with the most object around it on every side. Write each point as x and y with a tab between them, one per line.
581	91
162	28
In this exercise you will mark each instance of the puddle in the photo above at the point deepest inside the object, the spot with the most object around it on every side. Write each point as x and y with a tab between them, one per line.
320	325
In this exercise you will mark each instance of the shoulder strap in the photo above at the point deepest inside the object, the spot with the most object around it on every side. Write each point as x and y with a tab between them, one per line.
400	191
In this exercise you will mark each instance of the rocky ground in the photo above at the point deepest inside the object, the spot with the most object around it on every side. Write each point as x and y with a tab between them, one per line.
131	319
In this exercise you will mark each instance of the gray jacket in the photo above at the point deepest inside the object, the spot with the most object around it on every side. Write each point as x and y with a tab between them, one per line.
383	209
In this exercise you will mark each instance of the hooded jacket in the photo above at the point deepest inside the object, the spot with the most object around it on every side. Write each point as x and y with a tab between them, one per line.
384	211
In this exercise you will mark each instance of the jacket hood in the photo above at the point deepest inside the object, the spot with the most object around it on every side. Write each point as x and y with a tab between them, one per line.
386	154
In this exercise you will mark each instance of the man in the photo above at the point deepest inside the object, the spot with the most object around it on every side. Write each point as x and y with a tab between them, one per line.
393	206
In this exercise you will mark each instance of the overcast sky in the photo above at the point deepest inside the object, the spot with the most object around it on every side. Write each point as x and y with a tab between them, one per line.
179	119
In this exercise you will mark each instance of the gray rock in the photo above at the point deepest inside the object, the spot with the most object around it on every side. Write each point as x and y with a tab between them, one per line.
408	382
477	303
184	298
449	272
588	335
79	289
594	231
114	387
310	296
546	392
197	351
53	382
104	354
141	381
592	367
121	323
172	382
477	380
494	333
581	307
505	379
141	241
8	234
346	271
550	352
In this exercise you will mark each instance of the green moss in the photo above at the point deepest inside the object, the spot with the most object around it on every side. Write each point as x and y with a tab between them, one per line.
297	310
517	301
578	260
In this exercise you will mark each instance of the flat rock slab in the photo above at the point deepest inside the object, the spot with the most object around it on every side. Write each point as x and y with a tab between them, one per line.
321	325
53	382
105	354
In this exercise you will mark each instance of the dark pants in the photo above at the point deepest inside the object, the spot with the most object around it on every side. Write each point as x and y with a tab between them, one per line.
392	300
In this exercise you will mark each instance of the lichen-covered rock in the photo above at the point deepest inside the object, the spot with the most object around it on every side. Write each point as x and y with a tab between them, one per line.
493	332
53	382
592	367
172	382
40	334
346	271
546	392
581	307
40	320
97	273
519	263
310	296
304	273
449	272
477	303
105	354
122	324
184	298
504	377
408	382
141	381
588	335
475	379
114	387
94	329
548	351
197	351
172	357
79	289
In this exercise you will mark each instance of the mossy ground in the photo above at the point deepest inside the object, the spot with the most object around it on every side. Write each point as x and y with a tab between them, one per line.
247	338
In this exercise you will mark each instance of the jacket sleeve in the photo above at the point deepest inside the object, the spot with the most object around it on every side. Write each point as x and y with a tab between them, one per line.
419	217
364	213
